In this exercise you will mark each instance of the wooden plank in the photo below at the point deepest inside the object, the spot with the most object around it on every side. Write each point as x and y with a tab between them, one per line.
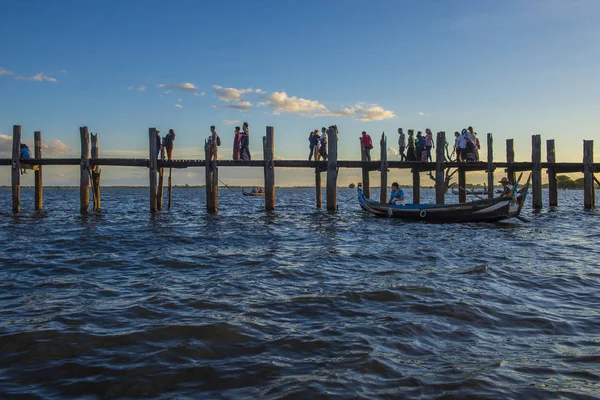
416	178
510	159
462	185
84	182
269	151
440	187
16	169
96	172
383	170
552	181
152	168
365	170
589	193
39	197
332	169
490	166
536	171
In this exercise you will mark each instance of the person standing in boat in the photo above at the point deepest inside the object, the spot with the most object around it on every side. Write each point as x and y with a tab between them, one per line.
429	144
397	195
410	146
402	144
237	137
323	144
313	144
367	144
245	143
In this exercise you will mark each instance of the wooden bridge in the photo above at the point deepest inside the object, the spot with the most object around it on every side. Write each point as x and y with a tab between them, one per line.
90	164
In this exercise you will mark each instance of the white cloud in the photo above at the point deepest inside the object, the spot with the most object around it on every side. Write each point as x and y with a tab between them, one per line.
55	148
231	121
64	71
141	88
5	143
231	94
375	113
186	87
179	100
242	105
5	72
393	151
178	105
37	78
282	103
421	113
202	94
260	91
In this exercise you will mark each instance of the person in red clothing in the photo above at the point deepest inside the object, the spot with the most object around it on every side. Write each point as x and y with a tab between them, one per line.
367	144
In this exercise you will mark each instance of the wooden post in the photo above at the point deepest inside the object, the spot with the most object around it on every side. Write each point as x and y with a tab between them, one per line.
84	183
269	150
96	171
319	190
332	169
552	182
462	185
589	194
536	173
152	168
39	199
160	188
16	169
510	158
365	171
440	189
490	166
416	175
212	176
383	169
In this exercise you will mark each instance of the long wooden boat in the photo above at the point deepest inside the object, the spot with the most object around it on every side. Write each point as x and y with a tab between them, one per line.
252	194
488	210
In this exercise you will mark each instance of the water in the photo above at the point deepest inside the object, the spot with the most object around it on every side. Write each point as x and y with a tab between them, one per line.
298	303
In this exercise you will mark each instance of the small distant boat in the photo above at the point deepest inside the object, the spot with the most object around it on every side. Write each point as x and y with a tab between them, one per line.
487	210
474	192
251	193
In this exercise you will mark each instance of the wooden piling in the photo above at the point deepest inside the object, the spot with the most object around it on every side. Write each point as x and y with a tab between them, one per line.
490	166
39	199
416	175
16	169
212	178
365	171
536	173
440	188
332	169
160	188
269	168
96	172
589	193
510	158
152	168
318	189
383	168
552	181
84	183
462	185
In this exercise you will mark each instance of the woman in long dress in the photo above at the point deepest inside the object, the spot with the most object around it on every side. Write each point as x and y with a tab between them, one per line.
236	143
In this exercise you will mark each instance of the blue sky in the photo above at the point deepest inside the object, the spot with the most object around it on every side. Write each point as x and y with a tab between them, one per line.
513	68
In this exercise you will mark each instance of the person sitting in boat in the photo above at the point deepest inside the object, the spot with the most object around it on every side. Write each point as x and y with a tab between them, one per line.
397	195
507	187
254	190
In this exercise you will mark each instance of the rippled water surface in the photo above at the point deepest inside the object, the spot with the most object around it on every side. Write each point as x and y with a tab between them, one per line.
298	303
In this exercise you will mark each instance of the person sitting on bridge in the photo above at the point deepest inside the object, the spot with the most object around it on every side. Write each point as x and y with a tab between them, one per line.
25	155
